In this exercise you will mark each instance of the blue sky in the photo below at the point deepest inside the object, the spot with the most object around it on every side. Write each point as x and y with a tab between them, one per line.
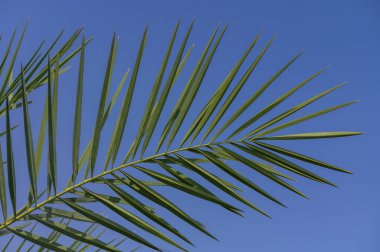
340	34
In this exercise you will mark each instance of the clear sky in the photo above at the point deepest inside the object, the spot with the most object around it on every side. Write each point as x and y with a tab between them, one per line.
342	34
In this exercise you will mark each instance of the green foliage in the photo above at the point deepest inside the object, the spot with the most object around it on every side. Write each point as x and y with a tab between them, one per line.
53	212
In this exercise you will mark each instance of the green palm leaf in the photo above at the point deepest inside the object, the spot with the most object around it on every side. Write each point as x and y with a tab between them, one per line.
69	219
10	162
29	140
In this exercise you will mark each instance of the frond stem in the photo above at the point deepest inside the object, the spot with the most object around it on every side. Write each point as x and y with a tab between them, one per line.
19	217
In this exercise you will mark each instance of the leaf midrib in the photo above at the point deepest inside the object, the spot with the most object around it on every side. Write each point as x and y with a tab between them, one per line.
84	182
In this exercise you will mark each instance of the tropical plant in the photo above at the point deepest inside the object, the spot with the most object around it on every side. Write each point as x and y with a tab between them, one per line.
63	216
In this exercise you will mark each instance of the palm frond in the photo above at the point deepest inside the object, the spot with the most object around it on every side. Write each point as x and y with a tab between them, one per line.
202	169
